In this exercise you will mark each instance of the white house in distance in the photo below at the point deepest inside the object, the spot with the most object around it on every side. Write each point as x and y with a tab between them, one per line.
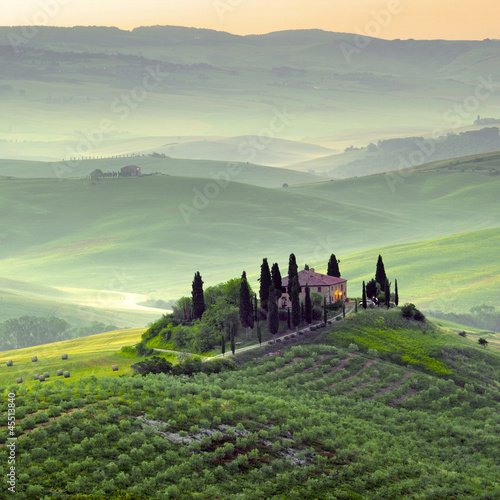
328	286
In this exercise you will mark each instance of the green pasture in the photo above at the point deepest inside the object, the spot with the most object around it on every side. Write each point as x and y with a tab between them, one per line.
94	355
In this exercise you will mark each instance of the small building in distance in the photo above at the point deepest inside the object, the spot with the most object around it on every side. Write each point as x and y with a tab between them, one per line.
130	171
332	288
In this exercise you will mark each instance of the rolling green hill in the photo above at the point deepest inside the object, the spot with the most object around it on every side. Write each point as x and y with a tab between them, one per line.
246	173
324	420
144	235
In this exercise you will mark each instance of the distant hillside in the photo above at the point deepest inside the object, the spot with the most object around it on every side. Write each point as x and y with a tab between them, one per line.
251	174
405	152
205	83
148	235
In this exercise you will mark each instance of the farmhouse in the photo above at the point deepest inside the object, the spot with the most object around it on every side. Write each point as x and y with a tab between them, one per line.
130	170
328	286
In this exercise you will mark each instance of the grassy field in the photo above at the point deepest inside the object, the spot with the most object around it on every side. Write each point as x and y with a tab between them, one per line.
94	355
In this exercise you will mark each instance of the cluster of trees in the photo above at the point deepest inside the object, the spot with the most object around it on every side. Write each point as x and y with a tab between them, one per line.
483	316
28	331
378	289
213	316
187	367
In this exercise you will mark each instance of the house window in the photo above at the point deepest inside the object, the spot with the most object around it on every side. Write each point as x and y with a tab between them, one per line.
319	289
342	287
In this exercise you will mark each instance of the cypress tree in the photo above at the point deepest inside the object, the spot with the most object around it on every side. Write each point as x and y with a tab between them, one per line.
273	320
356	306
380	276
256	308
292	269
364	296
396	294
265	282
294	297
333	267
387	293
325	314
343	310
223	345
246	308
233	343
308	306
276	277
198	298
259	333
306	268
288	318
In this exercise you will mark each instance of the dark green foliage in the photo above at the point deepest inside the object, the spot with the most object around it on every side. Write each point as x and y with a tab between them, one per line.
380	276
483	342
272	311
294	298
197	296
364	296
387	293
276	277
288	318
396	293
292	268
372	289
166	322
409	311
233	344
333	267
153	365
265	282
246	305
308	306
325	311
259	333
223	344
142	350
156	365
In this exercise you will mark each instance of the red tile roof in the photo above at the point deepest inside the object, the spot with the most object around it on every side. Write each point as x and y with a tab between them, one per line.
312	278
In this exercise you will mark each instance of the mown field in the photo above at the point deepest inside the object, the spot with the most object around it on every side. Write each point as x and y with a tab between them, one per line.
94	355
318	421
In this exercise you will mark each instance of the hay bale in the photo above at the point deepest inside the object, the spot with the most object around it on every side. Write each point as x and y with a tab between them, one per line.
66	374
46	375
10	362
19	380
41	378
115	368
64	356
59	373
35	377
34	359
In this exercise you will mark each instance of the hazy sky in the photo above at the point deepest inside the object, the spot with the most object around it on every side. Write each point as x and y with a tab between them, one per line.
451	19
